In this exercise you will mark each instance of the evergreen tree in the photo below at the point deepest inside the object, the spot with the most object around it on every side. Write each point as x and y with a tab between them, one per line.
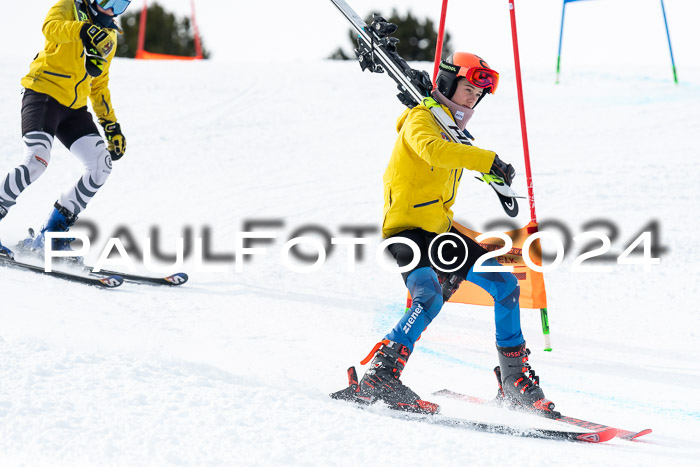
165	34
417	39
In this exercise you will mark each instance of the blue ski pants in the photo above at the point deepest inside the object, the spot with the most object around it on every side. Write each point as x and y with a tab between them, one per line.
427	299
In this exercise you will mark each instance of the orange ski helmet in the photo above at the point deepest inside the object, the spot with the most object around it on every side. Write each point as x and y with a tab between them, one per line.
469	66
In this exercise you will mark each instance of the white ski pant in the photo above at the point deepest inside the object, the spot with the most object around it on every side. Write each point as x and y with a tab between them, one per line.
89	149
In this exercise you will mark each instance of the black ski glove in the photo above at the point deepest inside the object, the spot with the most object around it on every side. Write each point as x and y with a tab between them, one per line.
98	45
116	141
503	170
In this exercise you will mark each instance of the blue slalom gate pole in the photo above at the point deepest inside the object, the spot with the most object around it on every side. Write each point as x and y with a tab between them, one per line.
561	34
668	36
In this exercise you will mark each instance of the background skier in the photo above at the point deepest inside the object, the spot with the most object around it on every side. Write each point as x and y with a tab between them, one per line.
74	64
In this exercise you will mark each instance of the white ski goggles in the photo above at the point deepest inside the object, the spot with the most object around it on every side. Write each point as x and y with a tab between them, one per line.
117	6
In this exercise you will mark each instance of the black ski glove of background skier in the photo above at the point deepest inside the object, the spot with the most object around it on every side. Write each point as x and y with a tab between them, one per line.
98	44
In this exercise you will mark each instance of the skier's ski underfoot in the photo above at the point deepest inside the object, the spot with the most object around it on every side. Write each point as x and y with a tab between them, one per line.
171	280
109	281
556	416
523	432
427	412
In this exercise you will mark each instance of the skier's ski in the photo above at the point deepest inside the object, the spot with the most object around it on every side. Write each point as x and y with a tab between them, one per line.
172	280
624	434
430	415
107	281
376	52
599	436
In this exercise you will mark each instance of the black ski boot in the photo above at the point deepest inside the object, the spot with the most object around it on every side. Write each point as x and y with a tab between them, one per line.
381	381
519	386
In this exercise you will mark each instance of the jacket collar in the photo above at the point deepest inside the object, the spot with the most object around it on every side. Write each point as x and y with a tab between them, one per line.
460	113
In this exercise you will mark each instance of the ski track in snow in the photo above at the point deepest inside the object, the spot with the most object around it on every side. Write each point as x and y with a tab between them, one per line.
235	368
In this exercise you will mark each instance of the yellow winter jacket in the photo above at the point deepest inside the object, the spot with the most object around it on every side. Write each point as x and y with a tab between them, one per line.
421	181
59	69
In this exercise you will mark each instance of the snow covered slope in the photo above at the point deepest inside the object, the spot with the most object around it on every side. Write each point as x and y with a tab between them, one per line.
234	368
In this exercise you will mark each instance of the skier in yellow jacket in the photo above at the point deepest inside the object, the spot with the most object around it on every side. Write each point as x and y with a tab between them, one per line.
74	65
420	187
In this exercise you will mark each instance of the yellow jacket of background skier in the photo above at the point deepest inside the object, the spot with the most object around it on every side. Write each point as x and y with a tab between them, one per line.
59	69
421	181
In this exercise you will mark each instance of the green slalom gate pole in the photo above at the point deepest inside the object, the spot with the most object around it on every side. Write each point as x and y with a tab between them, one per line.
545	330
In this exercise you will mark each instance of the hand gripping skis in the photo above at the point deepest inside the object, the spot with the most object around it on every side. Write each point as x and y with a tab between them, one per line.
376	52
596	436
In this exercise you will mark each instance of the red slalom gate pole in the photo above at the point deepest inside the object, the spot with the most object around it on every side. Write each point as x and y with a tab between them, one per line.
197	40
438	47
142	30
521	106
532	227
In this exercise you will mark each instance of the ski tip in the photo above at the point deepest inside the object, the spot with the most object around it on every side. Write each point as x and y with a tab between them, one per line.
510	205
637	435
111	281
178	279
598	436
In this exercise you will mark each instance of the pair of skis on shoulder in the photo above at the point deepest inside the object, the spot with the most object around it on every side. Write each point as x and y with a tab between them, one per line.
376	52
103	279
